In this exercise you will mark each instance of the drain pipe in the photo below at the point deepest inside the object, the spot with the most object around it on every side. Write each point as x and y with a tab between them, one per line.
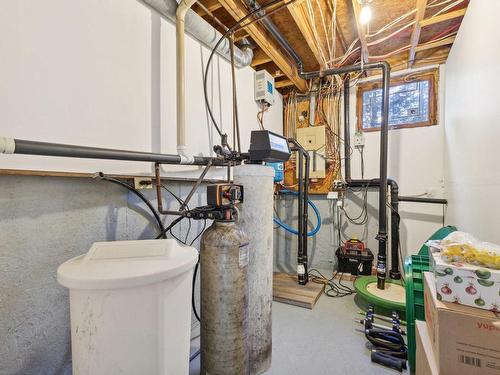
347	130
181	11
273	30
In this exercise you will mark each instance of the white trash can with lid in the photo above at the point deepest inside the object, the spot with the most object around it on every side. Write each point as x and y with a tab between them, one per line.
130	307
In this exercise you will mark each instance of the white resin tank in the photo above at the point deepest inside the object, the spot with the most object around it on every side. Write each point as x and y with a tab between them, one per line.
130	307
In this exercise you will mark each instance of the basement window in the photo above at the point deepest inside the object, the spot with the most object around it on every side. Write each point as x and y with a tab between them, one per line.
412	102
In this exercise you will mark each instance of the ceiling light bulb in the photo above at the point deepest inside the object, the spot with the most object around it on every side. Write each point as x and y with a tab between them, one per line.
366	15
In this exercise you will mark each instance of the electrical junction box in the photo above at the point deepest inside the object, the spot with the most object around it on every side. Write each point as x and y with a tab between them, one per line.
359	139
264	87
313	140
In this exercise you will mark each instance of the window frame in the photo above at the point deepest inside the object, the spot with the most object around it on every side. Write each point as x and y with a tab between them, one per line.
431	76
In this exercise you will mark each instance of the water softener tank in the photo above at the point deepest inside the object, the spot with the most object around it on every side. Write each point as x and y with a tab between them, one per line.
256	219
224	300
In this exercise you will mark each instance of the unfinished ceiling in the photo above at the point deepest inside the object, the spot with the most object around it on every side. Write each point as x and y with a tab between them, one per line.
327	33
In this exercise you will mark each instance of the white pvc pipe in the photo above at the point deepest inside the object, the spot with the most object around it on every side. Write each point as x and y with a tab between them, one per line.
7	145
180	13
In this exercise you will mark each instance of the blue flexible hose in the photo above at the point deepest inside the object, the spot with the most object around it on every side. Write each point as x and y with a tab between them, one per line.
295	231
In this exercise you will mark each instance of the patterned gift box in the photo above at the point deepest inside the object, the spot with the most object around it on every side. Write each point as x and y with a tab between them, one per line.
466	284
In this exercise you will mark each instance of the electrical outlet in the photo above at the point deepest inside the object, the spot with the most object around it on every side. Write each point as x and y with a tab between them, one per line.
359	139
332	195
143	183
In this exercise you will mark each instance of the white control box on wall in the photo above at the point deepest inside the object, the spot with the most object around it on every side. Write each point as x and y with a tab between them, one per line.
313	140
264	87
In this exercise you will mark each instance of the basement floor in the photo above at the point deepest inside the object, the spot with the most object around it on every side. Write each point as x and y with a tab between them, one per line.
322	341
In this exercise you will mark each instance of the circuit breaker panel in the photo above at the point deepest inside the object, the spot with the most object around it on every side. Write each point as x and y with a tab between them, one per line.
313	140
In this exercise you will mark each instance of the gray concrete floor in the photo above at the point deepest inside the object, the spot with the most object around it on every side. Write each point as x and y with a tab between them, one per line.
322	341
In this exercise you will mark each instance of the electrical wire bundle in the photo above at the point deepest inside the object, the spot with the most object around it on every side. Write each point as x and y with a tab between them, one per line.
332	288
362	218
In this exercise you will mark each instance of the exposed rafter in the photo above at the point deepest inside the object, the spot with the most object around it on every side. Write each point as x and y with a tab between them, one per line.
443	17
237	10
299	15
438	43
211	5
415	35
338	30
361	32
260	58
284	83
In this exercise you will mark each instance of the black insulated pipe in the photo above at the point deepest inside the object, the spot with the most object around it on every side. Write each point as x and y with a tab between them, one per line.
273	30
423	200
303	207
347	130
305	218
300	261
74	151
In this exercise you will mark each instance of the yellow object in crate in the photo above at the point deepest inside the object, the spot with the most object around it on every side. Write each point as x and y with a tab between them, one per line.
461	247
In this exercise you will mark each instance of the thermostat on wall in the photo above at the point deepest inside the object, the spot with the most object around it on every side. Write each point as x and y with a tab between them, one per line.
264	87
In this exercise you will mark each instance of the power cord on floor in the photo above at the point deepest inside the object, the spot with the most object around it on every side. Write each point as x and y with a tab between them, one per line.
332	288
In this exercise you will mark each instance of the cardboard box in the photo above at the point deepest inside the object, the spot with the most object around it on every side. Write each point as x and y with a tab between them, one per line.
425	359
466	284
465	340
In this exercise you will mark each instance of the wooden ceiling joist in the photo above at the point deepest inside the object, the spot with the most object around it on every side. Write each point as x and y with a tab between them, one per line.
240	35
212	5
438	43
338	29
284	83
415	35
260	58
237	10
299	15
443	17
361	32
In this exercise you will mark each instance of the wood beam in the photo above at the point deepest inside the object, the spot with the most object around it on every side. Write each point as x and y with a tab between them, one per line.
338	29
259	58
284	83
415	35
439	43
237	10
443	17
240	35
299	15
211	5
361	32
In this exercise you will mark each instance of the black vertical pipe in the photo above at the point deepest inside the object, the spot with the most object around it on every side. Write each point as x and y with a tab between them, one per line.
382	225
394	273
300	211
347	130
305	219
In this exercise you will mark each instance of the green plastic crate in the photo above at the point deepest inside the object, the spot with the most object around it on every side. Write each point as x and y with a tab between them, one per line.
415	266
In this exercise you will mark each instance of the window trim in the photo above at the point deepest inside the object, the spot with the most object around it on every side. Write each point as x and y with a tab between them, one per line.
431	76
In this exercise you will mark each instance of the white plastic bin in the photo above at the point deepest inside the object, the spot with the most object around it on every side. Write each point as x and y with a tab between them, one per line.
130	307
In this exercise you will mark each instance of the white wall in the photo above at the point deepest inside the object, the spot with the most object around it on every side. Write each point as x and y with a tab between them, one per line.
102	73
472	126
415	162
